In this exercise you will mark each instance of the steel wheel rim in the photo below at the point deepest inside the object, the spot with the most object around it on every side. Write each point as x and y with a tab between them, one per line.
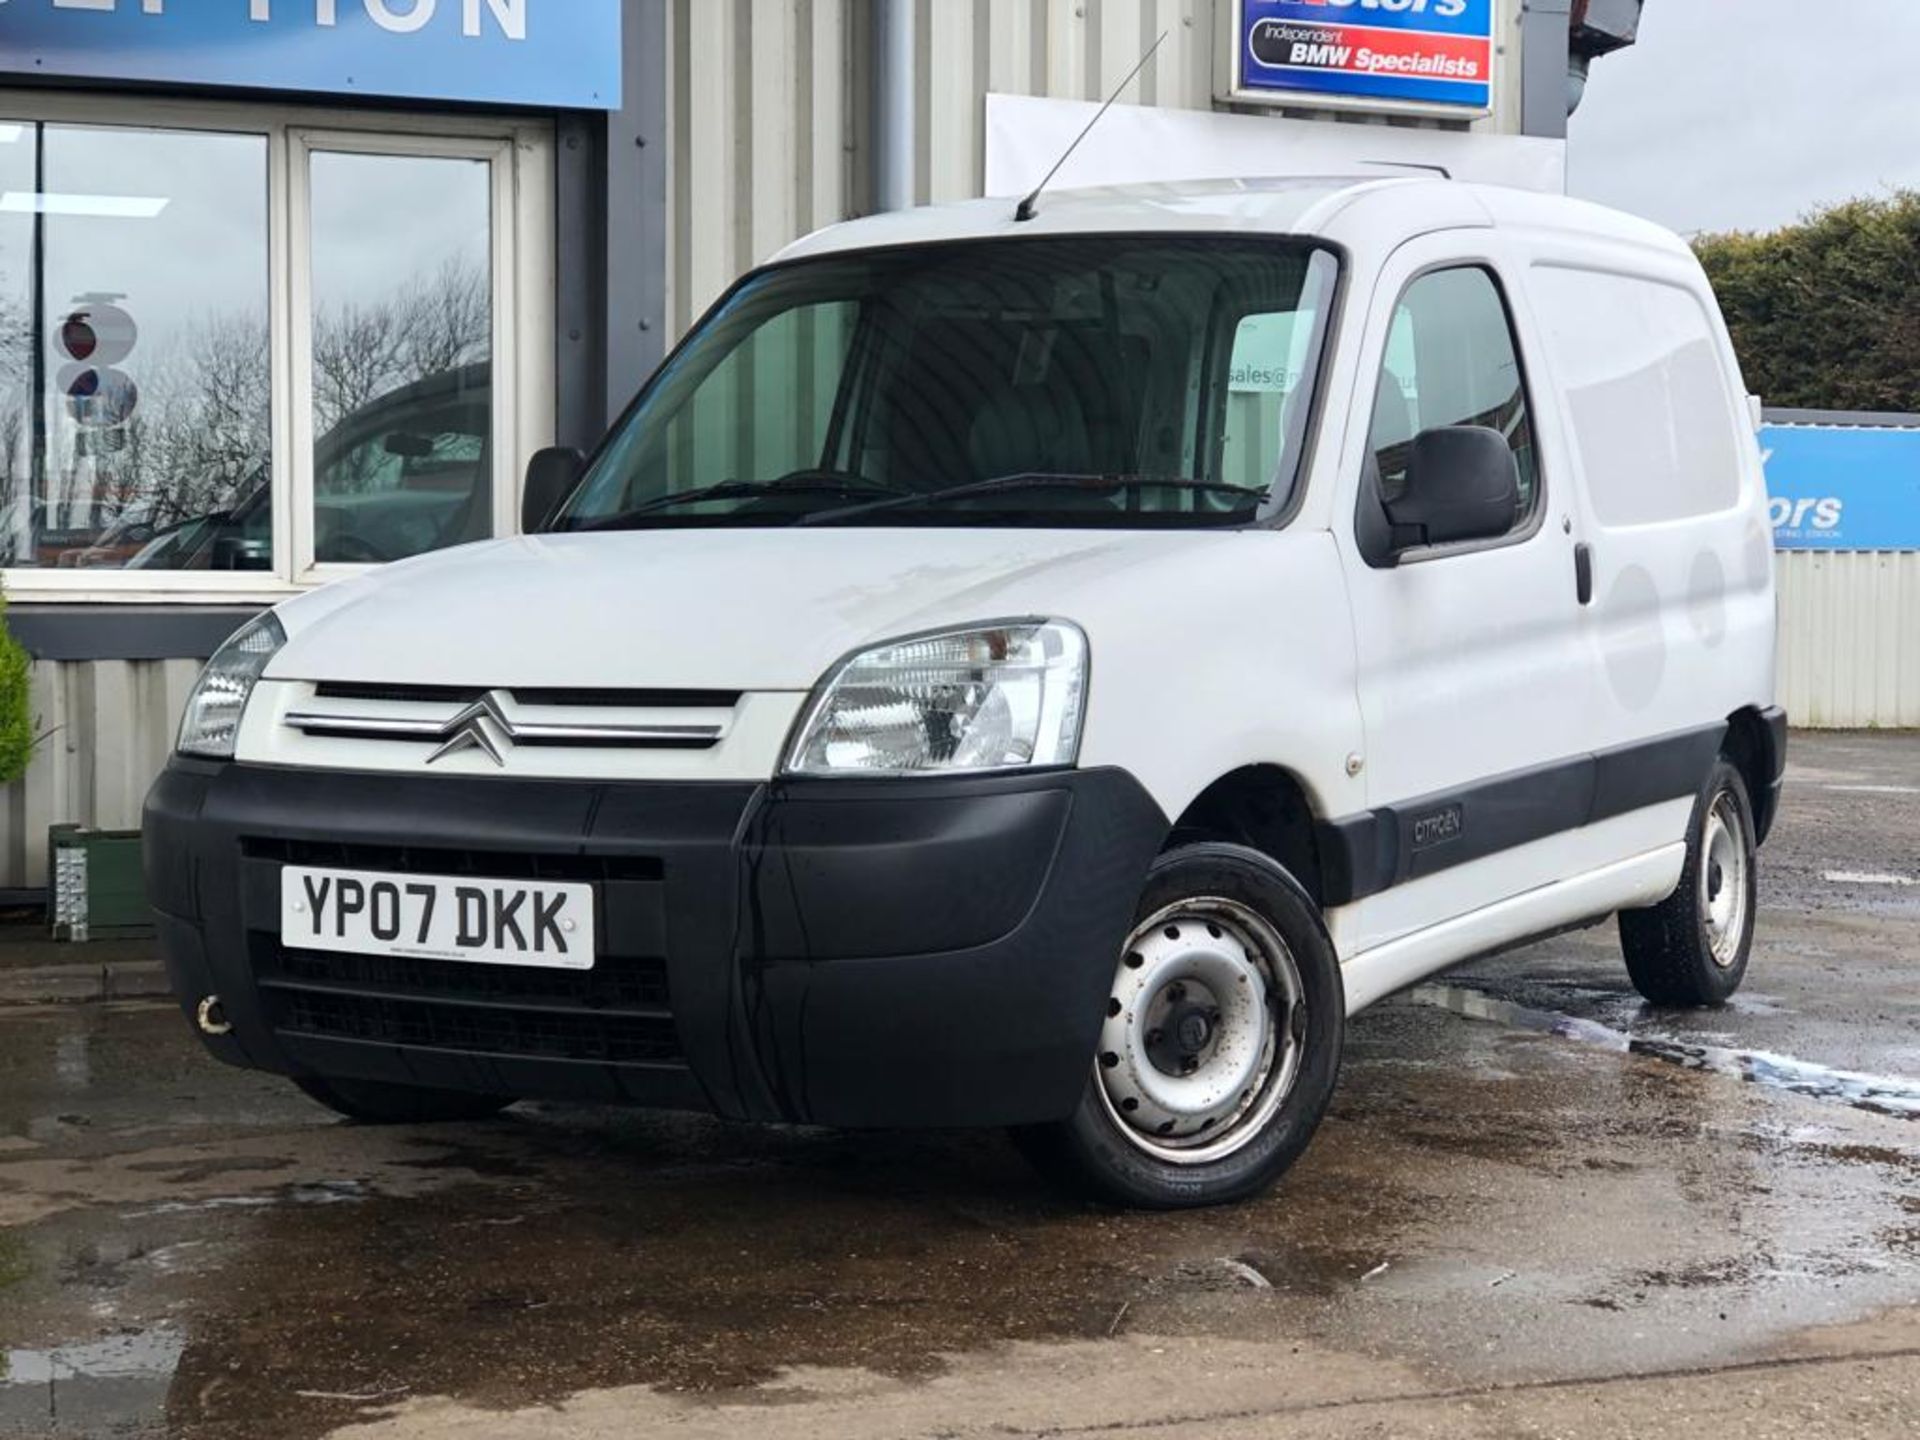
1217	959
1723	880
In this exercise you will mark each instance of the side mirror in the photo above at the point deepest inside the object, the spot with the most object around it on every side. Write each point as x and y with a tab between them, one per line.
551	475
1462	484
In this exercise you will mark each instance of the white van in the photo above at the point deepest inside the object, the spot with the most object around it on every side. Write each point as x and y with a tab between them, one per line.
1045	674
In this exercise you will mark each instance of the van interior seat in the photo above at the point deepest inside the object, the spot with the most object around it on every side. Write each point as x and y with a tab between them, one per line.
1030	427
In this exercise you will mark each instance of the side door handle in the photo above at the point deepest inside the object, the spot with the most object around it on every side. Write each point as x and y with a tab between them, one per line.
1583	572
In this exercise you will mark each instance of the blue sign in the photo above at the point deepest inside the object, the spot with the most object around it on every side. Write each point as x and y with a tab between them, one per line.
1843	489
1437	52
563	54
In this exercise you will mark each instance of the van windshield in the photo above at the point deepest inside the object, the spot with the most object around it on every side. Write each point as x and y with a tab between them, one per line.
1080	381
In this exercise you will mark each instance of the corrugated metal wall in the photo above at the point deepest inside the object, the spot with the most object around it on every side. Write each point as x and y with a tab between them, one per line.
770	100
765	114
107	726
1850	638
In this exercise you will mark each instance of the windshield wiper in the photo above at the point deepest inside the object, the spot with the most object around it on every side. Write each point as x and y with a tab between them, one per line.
1034	480
799	482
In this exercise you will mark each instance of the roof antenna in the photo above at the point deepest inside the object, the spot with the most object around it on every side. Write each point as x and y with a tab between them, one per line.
1025	210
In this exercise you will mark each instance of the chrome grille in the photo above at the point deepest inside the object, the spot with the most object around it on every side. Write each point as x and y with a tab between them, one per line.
453	717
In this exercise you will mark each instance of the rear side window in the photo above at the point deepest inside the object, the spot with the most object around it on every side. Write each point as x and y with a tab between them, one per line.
1451	360
1647	395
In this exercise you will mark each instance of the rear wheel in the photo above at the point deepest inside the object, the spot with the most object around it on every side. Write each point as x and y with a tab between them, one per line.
375	1102
1221	1040
1691	949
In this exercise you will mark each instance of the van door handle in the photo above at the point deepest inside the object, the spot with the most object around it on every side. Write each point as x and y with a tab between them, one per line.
1583	572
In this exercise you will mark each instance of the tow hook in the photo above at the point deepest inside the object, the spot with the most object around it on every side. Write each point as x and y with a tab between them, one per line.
211	1017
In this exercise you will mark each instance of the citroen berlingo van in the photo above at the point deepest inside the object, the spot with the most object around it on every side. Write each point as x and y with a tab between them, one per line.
1044	673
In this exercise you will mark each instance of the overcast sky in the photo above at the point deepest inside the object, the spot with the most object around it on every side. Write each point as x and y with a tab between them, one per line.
1744	114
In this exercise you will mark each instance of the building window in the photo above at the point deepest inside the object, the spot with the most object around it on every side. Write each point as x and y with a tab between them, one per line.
401	326
135	387
240	353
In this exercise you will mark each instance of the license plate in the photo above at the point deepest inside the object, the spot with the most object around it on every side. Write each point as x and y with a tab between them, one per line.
438	917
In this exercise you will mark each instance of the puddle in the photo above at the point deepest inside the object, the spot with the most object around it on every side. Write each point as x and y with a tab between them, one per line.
96	1388
1881	1094
1476	1203
324	1192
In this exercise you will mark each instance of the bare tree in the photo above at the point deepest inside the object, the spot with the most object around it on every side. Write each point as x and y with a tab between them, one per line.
446	322
16	402
434	322
199	441
356	354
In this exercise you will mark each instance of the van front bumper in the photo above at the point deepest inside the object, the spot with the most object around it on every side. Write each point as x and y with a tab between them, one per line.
837	952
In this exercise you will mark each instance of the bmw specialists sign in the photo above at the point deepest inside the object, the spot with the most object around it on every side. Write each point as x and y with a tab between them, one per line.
1425	54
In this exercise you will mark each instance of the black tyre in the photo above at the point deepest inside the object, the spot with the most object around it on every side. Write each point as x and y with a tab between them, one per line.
1691	949
1221	1045
375	1102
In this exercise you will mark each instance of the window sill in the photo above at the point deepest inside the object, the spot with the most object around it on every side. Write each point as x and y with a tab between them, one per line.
46	586
23	596
68	632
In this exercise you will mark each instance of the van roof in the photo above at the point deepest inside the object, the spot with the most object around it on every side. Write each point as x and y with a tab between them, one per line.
1390	207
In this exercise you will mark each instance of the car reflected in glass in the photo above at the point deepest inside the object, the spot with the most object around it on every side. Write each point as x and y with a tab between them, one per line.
407	474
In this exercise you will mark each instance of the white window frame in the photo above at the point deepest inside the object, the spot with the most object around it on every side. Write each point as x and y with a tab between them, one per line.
520	153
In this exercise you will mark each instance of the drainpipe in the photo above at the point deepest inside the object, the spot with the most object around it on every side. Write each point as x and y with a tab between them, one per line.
1599	27
1545	26
893	104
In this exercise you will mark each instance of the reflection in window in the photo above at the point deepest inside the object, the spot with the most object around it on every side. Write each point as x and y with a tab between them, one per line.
1450	360
767	408
1269	360
135	422
903	373
402	345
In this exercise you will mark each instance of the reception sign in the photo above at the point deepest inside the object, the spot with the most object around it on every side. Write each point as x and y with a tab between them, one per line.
1430	52
562	54
1834	488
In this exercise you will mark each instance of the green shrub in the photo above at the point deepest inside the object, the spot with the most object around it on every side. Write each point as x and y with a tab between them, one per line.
16	703
1826	313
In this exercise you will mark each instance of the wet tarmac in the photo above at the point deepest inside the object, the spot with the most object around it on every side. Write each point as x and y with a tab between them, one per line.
1536	1206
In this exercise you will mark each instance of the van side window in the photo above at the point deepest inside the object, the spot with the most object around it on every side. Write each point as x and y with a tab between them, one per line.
1450	360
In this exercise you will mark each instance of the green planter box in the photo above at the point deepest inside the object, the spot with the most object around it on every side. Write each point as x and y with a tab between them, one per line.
94	886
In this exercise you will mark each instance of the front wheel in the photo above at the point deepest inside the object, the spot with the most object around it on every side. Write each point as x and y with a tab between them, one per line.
1691	949
1221	1040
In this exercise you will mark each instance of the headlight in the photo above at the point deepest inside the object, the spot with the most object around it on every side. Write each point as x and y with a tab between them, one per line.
1000	697
212	722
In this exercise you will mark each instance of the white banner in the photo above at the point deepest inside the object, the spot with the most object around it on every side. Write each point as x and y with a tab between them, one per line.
1140	144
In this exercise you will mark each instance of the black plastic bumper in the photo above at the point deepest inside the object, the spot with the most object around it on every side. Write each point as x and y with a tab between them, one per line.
836	952
1773	761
